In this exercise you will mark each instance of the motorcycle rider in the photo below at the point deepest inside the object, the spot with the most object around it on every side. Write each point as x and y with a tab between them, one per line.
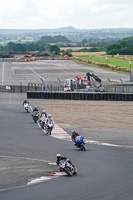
59	157
48	121
74	136
24	102
43	117
35	111
43	114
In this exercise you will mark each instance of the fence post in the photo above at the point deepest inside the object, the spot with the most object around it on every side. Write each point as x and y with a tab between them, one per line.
121	86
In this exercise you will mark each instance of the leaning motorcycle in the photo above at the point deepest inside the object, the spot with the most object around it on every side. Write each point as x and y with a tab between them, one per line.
67	167
49	128
26	107
80	143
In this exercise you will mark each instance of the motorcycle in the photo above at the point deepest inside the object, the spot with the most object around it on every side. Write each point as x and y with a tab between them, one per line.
26	107
80	143
36	116
67	167
42	122
49	128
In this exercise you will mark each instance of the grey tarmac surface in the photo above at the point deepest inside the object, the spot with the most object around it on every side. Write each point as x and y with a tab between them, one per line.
109	135
15	172
104	173
21	72
17	162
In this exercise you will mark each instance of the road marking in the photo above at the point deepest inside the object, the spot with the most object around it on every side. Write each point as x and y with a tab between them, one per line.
46	178
60	133
35	72
37	180
26	158
2	82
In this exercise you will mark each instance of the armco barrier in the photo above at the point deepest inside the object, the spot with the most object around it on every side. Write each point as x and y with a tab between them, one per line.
97	96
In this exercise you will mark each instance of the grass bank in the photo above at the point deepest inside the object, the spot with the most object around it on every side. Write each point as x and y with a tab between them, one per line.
108	60
104	65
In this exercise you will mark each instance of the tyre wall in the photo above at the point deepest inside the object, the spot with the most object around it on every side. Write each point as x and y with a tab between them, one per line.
80	96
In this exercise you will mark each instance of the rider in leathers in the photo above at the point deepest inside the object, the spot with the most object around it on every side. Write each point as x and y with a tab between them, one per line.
24	102
74	135
59	157
35	111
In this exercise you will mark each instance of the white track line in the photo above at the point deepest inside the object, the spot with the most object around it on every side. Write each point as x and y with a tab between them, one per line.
48	161
34	72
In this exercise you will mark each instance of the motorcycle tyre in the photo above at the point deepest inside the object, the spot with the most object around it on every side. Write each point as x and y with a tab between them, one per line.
75	170
49	131
67	171
82	147
35	119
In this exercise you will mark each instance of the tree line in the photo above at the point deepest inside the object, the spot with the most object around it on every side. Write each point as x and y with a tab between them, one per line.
112	47
122	47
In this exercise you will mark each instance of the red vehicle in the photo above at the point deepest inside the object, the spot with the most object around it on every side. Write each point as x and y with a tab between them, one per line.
33	58
66	57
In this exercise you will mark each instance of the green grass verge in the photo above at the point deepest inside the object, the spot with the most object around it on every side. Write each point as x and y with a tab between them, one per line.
96	66
110	60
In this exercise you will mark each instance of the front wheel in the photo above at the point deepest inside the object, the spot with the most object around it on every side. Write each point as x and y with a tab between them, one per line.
68	171
82	147
49	131
35	119
75	170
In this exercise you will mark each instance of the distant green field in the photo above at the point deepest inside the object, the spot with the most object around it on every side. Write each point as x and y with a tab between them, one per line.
109	60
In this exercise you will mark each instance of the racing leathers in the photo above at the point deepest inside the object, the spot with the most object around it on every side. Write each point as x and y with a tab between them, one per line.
63	158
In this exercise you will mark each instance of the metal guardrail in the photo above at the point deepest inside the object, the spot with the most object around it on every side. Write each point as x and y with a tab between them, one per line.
25	88
118	89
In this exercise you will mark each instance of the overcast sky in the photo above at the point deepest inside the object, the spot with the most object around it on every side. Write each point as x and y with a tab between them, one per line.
42	14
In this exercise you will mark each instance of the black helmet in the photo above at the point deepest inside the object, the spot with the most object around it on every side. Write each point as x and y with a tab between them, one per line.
73	131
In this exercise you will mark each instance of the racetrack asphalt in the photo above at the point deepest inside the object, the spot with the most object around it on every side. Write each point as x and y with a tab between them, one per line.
104	172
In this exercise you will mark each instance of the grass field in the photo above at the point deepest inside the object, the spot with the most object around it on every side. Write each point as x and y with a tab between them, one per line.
109	60
88	53
73	48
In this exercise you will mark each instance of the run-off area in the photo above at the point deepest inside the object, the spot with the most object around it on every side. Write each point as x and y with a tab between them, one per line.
15	172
